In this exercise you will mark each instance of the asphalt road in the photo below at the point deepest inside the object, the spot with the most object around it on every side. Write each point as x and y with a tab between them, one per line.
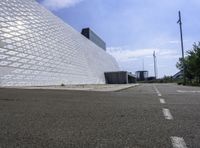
146	116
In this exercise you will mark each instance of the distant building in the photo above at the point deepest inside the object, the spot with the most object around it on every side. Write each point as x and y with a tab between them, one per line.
88	33
178	75
119	77
141	75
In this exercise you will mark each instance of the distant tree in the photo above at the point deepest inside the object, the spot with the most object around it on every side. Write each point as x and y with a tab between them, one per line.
179	64
192	64
167	79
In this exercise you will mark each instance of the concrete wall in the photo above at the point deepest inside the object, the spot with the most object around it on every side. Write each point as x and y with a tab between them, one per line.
120	77
37	48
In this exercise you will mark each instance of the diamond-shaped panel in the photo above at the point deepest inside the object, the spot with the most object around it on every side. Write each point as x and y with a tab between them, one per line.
37	48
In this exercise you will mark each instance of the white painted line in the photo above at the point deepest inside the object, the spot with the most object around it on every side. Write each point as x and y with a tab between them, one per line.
187	91
178	142
162	101
157	91
167	114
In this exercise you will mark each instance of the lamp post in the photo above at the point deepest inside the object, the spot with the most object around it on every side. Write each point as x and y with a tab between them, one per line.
182	47
155	64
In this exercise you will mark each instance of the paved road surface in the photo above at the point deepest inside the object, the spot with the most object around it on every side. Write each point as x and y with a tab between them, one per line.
147	116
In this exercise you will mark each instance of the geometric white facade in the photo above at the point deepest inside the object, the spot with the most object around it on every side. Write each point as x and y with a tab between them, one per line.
37	48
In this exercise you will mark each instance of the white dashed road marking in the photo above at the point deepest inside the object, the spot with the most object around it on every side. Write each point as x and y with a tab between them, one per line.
187	91
167	114
157	91
162	101
178	142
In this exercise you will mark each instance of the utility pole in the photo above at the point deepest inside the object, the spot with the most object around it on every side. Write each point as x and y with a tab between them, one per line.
143	64
155	64
182	47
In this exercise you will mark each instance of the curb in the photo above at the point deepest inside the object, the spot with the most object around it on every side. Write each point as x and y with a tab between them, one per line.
126	88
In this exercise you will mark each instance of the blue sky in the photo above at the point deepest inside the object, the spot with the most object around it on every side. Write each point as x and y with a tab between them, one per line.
133	29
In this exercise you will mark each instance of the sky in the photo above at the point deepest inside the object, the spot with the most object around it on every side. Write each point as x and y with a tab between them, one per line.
134	29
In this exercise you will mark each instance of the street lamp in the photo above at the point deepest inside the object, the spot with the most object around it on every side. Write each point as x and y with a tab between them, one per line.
182	47
155	64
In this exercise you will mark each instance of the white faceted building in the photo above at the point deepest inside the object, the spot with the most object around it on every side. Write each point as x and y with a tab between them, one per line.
37	48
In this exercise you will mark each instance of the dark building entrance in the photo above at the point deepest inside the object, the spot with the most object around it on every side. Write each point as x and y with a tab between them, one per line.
141	75
119	77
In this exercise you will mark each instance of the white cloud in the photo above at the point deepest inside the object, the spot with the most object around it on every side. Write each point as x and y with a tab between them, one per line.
174	42
122	54
132	60
59	4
